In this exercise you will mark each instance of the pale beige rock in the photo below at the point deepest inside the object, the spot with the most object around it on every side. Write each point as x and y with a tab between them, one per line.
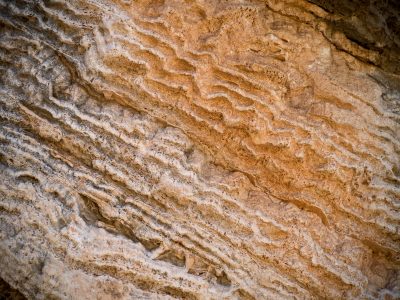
199	149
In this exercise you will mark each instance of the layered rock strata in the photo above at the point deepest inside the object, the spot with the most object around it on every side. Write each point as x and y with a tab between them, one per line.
199	149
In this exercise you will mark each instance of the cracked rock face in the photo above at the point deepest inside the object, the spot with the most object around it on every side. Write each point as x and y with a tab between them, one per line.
199	149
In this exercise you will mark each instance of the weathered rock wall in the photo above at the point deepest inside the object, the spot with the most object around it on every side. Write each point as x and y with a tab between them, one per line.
199	149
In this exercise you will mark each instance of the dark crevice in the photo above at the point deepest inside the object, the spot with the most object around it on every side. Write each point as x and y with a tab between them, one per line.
28	178
9	293
372	25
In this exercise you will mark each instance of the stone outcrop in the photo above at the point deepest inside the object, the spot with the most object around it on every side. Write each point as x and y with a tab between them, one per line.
200	149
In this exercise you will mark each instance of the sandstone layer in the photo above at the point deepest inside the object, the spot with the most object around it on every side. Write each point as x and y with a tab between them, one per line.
200	149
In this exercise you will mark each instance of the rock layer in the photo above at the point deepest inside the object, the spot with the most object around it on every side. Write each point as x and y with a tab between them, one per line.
198	150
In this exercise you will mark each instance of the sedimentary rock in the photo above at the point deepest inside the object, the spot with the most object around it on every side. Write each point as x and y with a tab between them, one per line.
200	149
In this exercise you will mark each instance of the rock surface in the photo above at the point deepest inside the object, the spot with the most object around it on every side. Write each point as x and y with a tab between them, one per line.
200	149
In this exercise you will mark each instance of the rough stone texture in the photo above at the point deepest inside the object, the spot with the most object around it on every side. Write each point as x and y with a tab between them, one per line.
200	149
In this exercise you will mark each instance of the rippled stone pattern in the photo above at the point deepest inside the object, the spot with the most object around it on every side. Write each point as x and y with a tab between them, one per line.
199	150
